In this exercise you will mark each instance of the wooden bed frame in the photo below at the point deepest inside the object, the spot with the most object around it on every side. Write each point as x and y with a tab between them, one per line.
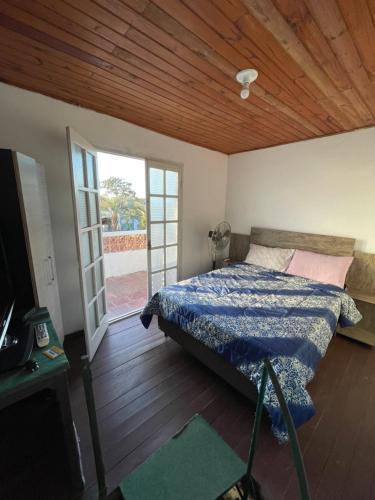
331	245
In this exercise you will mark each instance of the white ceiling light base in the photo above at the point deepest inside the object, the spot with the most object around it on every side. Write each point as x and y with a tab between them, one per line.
245	77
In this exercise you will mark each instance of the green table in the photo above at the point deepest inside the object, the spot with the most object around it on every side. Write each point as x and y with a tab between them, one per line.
20	383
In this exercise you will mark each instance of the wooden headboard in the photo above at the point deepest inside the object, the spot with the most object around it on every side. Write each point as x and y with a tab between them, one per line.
330	245
361	276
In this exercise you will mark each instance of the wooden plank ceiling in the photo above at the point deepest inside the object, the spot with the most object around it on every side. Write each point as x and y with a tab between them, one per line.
169	65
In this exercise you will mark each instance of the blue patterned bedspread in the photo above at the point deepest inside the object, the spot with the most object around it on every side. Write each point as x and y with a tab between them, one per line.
246	313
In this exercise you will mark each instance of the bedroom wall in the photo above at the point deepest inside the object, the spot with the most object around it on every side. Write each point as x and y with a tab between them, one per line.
35	125
324	185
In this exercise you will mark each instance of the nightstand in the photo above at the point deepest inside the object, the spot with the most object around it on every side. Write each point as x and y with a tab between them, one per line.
364	331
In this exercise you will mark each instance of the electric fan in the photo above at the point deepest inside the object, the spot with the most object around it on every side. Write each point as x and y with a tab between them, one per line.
218	240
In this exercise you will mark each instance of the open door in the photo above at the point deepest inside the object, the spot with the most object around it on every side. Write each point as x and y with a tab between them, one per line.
85	184
163	193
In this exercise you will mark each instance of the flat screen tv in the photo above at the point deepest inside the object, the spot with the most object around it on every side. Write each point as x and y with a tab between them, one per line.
7	296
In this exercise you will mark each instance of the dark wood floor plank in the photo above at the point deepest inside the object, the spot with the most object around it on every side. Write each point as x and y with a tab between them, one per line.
206	407
149	421
128	352
139	369
112	371
193	405
120	326
120	340
347	417
326	432
146	388
123	357
322	390
119	423
361	474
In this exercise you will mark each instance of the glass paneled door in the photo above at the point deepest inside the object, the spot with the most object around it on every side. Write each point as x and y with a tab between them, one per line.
163	220
84	174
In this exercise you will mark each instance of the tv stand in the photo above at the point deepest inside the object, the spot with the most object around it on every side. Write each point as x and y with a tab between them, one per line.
20	383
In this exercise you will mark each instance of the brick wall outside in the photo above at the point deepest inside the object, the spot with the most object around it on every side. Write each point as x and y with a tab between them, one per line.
124	242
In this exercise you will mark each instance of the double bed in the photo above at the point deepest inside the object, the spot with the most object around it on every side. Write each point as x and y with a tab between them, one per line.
234	317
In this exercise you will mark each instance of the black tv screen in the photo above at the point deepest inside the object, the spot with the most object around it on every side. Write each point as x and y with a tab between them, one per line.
7	298
12	230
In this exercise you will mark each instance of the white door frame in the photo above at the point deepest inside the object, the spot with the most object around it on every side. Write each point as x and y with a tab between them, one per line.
166	166
92	337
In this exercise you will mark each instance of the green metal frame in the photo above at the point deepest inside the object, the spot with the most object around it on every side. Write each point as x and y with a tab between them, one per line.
249	484
90	401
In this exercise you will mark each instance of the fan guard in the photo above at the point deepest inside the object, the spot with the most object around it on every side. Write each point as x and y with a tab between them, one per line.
219	239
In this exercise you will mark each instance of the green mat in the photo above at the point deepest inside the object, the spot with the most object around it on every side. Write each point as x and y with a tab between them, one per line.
196	464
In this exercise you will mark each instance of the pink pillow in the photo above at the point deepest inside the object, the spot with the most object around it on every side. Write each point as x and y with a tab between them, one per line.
319	267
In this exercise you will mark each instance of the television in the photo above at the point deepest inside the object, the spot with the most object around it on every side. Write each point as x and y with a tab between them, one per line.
7	296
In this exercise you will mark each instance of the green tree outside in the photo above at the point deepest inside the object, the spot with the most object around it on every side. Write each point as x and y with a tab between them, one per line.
120	206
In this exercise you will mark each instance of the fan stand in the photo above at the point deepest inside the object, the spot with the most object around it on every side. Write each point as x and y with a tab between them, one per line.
214	261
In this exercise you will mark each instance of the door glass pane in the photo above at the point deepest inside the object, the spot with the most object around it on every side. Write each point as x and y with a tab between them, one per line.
99	275
91	178
157	259
171	233
93	208
171	182
92	319
101	306
89	277
156	208
171	211
157	281
171	276
157	235
171	256
163	214
83	206
156	181
79	171
86	250
96	243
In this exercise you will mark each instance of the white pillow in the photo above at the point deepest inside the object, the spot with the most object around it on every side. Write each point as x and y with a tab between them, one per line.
277	259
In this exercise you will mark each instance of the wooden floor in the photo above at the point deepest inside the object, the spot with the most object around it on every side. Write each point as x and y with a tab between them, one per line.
147	387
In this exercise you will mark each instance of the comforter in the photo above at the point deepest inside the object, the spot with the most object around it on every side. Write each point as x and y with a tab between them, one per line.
246	313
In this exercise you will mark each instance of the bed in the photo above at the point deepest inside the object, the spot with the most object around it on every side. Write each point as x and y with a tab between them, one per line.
233	317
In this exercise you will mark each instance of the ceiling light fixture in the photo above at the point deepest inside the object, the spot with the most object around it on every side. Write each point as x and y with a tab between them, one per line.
245	77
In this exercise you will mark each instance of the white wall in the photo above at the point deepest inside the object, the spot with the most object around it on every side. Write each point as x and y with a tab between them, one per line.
35	125
130	261
324	185
126	262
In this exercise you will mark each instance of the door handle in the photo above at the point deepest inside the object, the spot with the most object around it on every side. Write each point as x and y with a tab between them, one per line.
52	269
